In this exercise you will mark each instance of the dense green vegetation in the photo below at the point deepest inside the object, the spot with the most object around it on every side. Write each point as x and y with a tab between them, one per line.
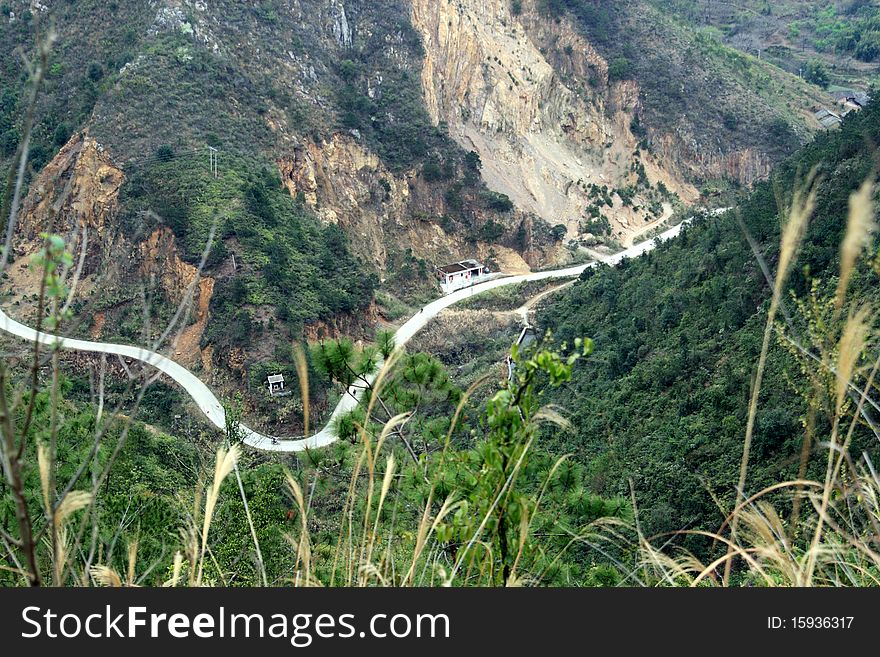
290	271
451	449
853	31
842	35
285	259
148	495
139	494
150	485
663	401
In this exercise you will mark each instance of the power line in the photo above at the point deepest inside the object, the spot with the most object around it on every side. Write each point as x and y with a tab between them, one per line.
213	161
165	157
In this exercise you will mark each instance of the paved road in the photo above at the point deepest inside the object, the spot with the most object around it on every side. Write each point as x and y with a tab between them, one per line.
213	409
524	310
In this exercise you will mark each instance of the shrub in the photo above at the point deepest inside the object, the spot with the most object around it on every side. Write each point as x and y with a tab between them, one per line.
816	73
620	68
61	134
498	202
164	153
348	70
433	172
8	142
95	72
472	161
492	231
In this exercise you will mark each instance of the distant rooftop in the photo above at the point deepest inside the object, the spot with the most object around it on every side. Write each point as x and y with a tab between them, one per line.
827	118
851	95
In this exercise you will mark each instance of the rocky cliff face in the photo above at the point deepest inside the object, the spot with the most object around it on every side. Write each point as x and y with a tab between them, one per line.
542	140
77	195
691	159
347	184
77	192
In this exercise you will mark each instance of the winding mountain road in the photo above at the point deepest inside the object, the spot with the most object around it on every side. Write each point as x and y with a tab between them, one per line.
213	409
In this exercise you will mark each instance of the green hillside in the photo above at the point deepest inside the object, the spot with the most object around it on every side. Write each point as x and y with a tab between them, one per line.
663	402
571	462
714	98
827	42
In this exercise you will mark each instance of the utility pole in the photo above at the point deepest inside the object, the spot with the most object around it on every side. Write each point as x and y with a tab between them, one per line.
214	154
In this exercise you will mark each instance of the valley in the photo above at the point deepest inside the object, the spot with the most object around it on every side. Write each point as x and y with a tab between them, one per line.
213	409
228	354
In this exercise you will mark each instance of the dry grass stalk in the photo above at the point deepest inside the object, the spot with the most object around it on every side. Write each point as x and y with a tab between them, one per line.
303	566
802	206
851	347
302	371
223	466
106	576
861	226
176	569
386	486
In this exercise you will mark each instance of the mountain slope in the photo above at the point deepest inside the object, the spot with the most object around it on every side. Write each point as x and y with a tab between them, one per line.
841	37
563	97
426	132
316	113
711	110
663	401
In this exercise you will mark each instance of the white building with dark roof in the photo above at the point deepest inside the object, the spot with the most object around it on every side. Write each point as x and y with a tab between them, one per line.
276	384
461	274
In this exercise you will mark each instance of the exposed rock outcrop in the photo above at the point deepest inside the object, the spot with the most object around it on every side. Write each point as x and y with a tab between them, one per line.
78	190
77	195
347	184
541	141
